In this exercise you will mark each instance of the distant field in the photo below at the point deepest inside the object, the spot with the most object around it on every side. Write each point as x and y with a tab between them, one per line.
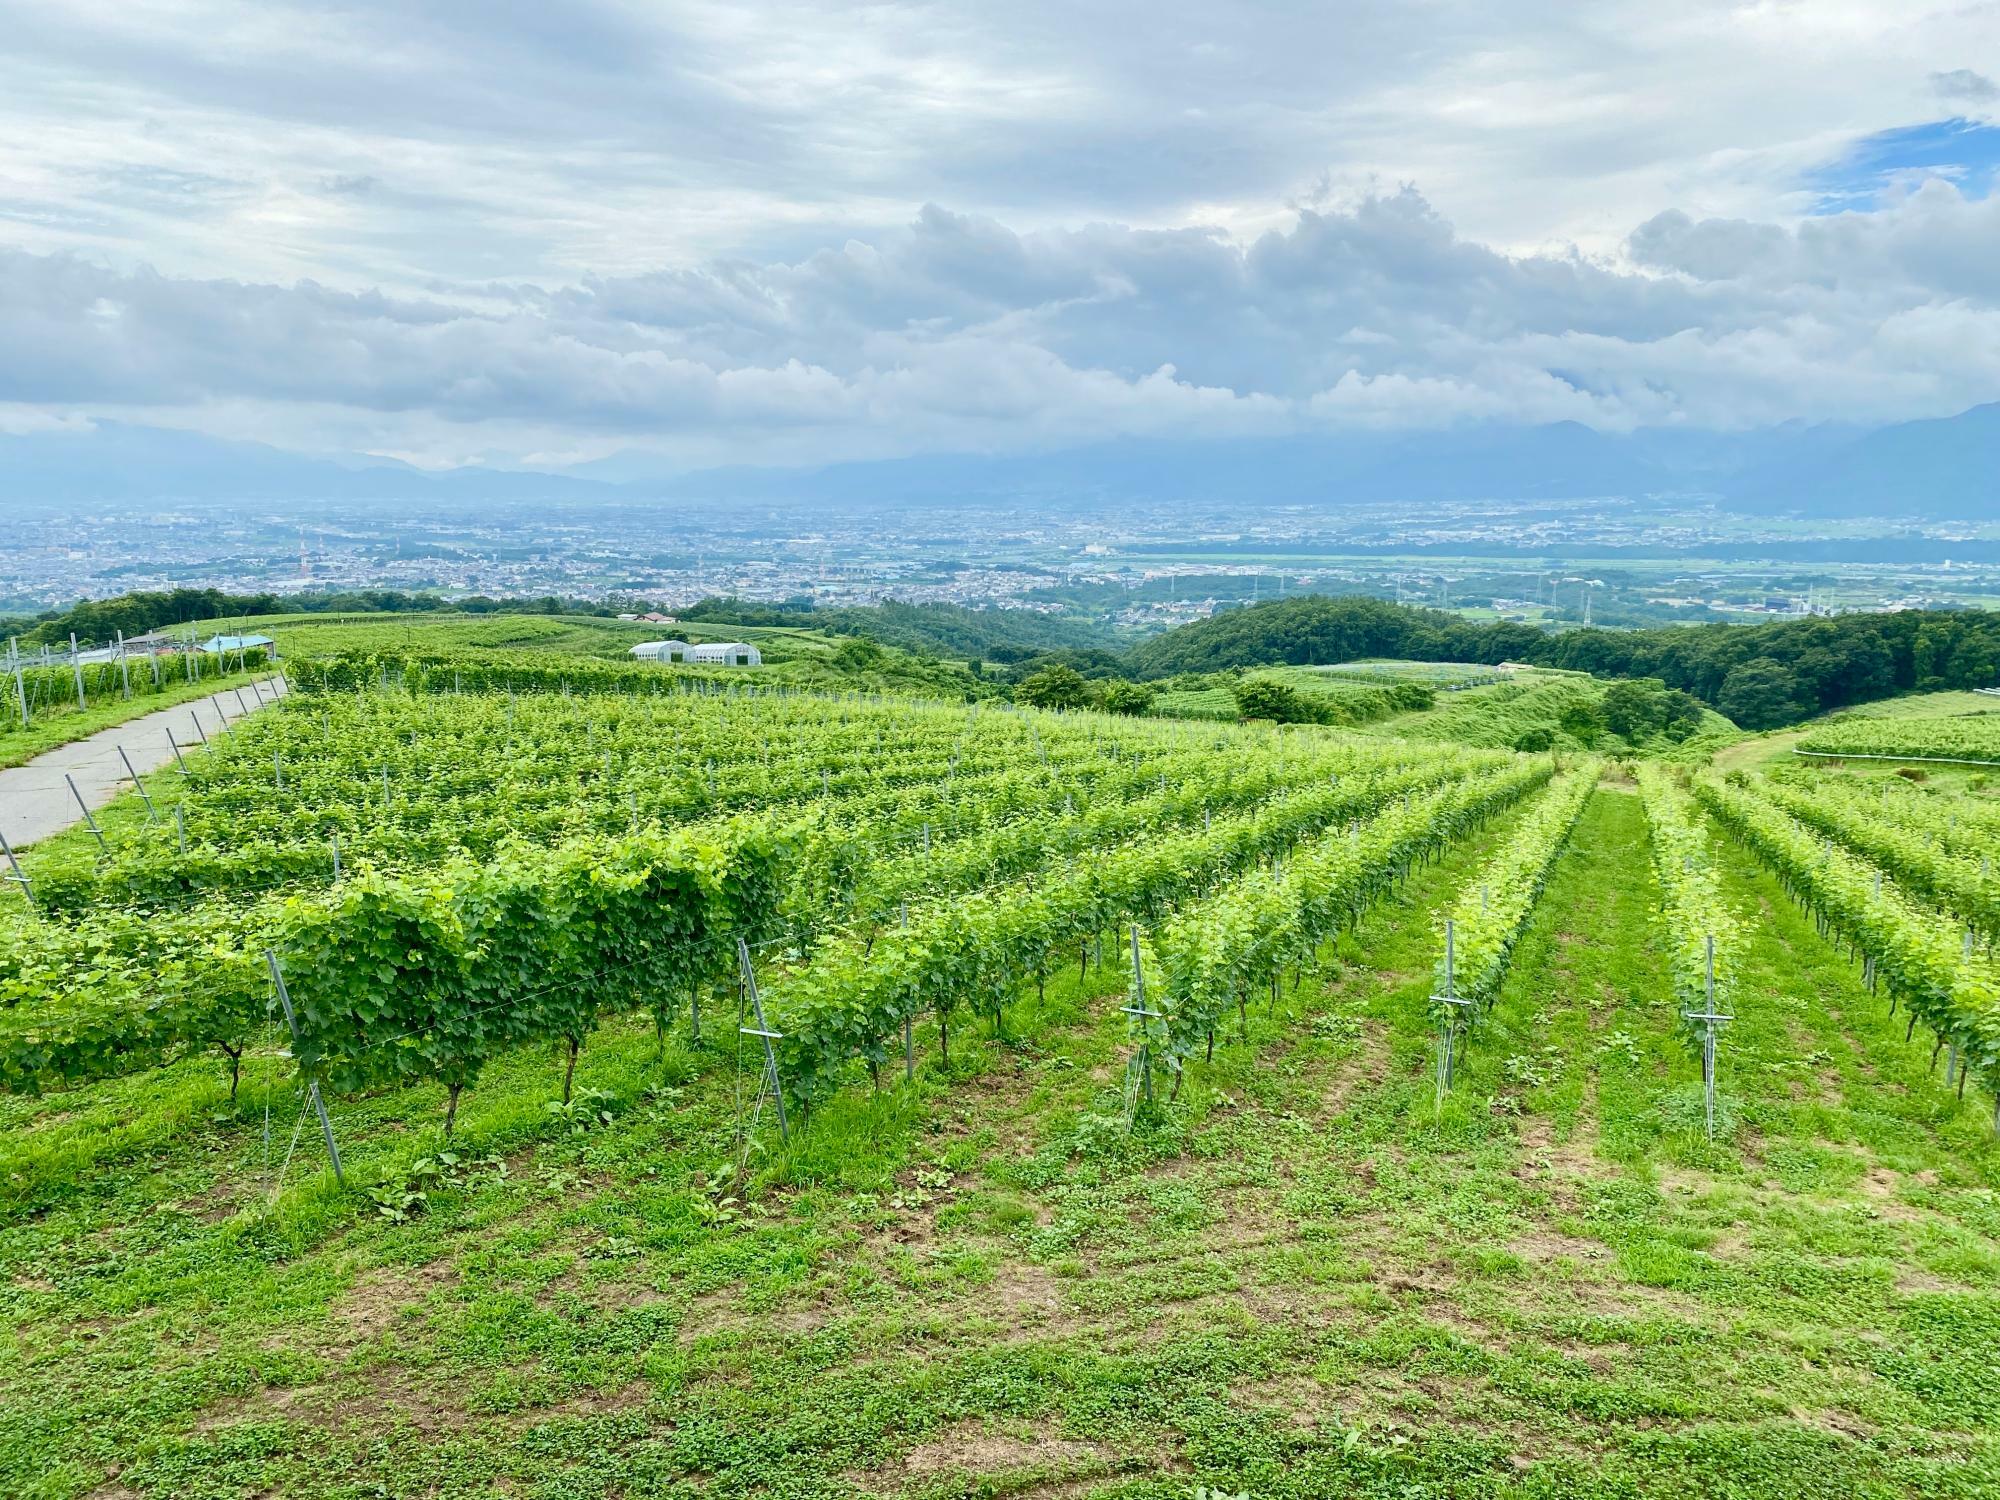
1203	703
1965	738
1922	706
1496	716
1439	674
575	635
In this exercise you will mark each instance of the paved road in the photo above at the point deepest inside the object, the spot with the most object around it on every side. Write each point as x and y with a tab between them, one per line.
35	800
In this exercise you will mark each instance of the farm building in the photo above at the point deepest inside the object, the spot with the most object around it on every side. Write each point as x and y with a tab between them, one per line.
661	650
721	653
726	654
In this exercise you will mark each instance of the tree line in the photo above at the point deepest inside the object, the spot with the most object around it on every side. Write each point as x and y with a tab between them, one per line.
1762	675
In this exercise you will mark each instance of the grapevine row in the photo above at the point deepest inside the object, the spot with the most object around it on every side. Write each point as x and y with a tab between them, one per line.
1215	956
1693	912
977	952
1920	955
1911	854
1493	910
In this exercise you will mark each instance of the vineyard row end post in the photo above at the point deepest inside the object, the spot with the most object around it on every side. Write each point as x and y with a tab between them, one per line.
312	1084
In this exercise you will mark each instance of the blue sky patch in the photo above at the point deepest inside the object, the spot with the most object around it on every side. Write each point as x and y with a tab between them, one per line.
1877	166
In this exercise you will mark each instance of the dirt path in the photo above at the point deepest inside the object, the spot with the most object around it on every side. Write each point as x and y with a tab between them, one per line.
1751	755
35	799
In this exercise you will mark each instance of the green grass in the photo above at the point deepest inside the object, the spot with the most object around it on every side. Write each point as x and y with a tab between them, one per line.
1305	1279
1919	706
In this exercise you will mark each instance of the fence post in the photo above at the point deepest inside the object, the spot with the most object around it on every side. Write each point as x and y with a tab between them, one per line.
76	666
124	671
312	1084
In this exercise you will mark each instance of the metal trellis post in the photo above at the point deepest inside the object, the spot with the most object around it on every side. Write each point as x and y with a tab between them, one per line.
1710	1018
767	1035
312	1084
88	821
1142	1017
138	785
14	869
1453	1005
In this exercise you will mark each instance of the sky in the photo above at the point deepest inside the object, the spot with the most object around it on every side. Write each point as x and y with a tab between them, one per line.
523	234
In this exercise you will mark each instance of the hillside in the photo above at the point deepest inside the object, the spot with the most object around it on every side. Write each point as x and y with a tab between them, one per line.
1939	468
1112	1136
1790	668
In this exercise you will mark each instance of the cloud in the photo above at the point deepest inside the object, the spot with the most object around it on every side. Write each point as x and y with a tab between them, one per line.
448	230
1963	83
509	141
956	331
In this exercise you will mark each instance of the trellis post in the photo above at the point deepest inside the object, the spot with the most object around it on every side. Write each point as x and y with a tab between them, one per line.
1453	1005
130	770
312	1084
1710	1019
764	1033
88	821
1140	1069
14	868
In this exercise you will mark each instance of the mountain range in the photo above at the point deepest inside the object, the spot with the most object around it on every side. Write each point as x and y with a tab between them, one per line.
1935	470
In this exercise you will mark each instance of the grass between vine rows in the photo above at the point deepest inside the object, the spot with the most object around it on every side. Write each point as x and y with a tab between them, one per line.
1307	1280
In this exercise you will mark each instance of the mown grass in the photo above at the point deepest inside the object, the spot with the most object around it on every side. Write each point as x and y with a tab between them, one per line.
1307	1278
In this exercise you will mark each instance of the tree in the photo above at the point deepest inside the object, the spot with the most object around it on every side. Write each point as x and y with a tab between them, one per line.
1761	694
1541	737
1581	722
1634	709
1120	697
1266	698
857	654
1054	686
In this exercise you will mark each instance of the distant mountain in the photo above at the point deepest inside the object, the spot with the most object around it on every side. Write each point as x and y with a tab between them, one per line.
1942	469
1935	470
1563	461
118	461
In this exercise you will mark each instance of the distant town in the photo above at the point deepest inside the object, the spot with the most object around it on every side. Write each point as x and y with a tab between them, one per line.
1605	562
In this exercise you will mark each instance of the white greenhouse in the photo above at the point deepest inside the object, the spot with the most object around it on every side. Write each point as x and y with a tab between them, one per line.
717	654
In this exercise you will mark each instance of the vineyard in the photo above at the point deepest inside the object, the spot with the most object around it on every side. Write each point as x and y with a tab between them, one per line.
513	1071
1972	739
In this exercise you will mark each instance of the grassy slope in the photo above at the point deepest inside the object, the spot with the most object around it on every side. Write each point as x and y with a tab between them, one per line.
1308	1282
1762	750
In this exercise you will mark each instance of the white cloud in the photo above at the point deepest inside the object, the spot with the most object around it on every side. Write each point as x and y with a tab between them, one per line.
444	229
958	332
